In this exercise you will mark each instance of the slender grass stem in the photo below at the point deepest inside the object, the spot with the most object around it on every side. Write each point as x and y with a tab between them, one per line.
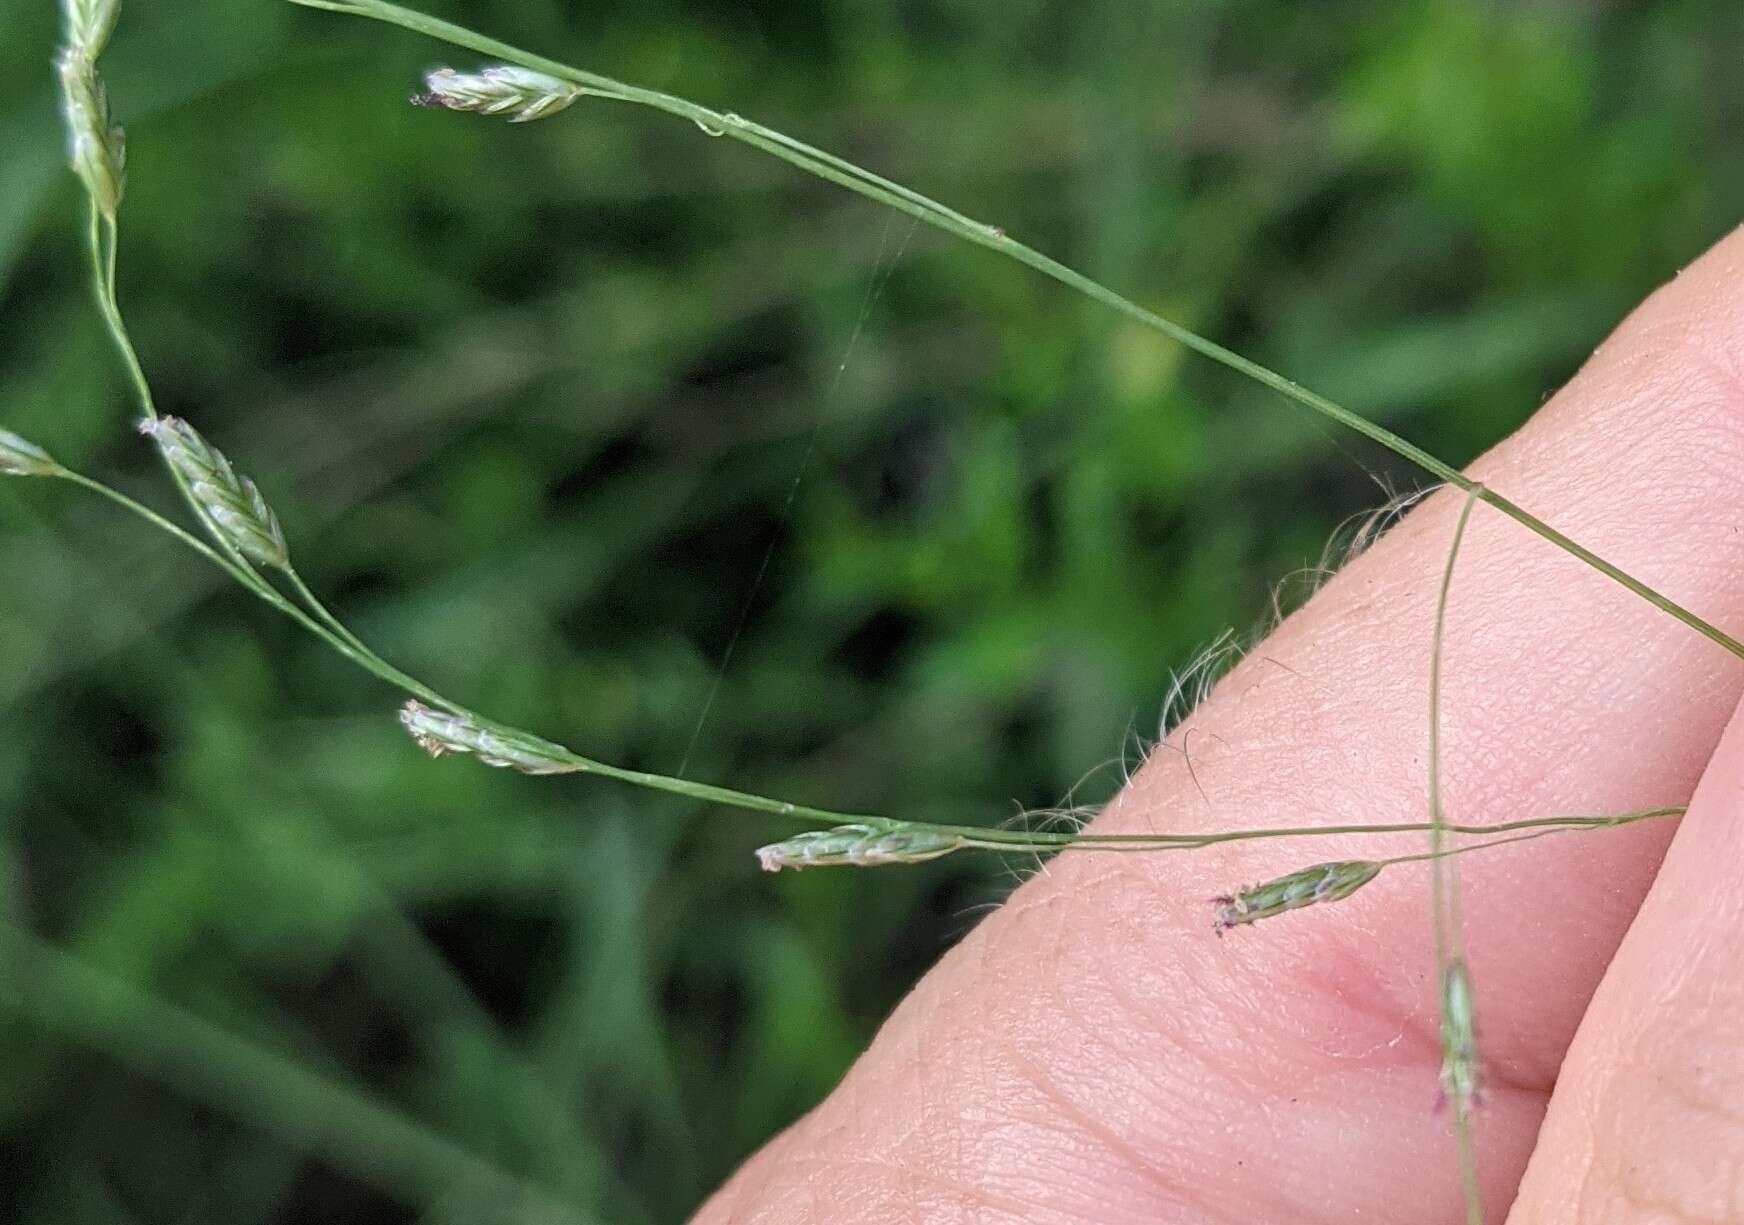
1459	1066
857	179
322	612
1541	827
1192	841
104	239
329	629
251	582
159	1038
158	521
1444	893
363	653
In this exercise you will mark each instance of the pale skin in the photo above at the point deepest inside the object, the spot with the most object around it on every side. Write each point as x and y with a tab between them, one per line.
1092	1052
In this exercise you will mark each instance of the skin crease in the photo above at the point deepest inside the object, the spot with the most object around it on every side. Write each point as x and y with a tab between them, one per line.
1092	1052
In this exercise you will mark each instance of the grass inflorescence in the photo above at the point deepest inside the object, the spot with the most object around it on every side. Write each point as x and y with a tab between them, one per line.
244	536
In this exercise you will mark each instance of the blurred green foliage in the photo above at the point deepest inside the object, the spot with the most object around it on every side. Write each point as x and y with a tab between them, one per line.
537	405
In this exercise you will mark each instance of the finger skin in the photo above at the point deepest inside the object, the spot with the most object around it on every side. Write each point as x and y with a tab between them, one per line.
1646	1125
1092	1052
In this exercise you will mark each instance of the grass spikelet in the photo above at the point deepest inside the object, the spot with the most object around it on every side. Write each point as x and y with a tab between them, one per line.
1459	1046
21	458
859	846
440	733
96	147
520	93
89	24
1324	882
231	505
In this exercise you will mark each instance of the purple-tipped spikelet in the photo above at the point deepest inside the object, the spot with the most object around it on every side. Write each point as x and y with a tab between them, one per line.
1324	882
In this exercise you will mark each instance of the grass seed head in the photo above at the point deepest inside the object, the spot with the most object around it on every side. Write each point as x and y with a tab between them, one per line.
96	148
860	846
230	503
1324	882
520	93
440	732
21	458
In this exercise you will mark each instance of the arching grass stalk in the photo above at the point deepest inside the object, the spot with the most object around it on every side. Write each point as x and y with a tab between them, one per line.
885	191
1459	1058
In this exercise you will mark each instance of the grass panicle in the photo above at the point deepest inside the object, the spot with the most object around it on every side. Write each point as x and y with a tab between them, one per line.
19	457
244	525
528	88
501	89
230	504
859	846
